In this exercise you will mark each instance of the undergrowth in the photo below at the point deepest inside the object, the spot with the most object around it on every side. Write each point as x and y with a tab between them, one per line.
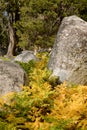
39	107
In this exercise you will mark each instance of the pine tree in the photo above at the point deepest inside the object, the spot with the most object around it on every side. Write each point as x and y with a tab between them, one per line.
34	23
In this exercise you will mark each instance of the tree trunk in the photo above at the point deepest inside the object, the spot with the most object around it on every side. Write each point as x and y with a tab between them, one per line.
11	46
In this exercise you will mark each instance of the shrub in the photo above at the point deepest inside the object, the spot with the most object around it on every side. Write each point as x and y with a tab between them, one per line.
70	104
27	66
39	107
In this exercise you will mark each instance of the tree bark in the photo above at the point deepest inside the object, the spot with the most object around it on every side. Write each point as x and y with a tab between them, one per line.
11	31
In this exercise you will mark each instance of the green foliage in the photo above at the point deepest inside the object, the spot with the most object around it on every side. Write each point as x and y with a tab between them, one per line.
54	81
59	125
4	58
40	20
36	22
5	126
28	67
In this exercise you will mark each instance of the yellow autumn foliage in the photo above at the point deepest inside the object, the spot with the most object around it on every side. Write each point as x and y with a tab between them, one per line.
40	107
70	103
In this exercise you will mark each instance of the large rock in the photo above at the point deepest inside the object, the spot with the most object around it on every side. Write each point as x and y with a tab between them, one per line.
12	77
69	55
25	56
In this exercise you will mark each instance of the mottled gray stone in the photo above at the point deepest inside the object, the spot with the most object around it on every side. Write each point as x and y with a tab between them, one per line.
25	56
12	77
69	54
